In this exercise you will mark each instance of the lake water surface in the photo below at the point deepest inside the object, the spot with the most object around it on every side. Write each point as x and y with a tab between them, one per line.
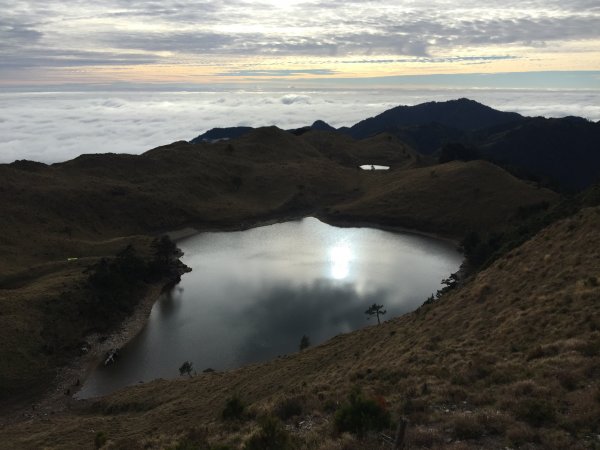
253	294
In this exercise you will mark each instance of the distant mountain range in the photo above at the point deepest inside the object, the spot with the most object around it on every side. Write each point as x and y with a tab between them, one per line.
564	152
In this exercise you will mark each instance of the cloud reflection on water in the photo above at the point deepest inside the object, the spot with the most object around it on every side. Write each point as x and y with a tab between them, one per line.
284	313
253	294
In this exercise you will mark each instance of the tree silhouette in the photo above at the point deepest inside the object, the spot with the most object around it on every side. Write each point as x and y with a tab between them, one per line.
304	342
164	249
375	310
186	368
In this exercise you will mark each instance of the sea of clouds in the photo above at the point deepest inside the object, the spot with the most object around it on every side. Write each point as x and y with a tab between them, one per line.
58	126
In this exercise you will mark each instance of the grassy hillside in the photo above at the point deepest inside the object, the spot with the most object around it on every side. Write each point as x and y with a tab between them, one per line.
450	199
95	205
55	212
510	359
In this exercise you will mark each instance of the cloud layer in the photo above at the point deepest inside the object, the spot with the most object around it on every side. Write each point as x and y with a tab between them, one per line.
53	127
319	34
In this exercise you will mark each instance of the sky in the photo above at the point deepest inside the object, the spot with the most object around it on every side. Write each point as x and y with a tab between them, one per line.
292	41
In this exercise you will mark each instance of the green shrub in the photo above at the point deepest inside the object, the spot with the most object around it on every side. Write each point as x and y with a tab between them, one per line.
100	439
535	411
289	407
592	348
567	380
467	427
234	409
194	439
361	415
271	436
190	445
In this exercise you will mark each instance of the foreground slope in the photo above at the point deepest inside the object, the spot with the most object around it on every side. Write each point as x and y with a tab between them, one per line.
511	358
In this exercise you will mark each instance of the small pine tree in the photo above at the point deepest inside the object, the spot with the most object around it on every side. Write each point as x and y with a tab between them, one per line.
375	310
164	250
186	369
304	342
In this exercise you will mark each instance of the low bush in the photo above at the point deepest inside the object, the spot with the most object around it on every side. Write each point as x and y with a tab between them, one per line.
196	439
535	411
361	415
289	407
234	409
519	434
568	380
467	427
100	439
271	436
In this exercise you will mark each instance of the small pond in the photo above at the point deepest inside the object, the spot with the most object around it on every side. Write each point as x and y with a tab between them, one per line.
374	167
253	294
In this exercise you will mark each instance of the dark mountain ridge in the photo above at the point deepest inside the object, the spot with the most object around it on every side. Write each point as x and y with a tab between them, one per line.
563	151
566	150
218	134
462	114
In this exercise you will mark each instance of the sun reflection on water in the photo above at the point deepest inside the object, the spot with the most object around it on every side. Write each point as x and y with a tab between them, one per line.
340	257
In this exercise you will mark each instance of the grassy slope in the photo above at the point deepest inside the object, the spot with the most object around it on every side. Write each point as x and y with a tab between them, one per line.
449	199
511	358
69	209
35	318
94	205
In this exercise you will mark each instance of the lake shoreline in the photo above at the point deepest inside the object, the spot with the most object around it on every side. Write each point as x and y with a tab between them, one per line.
347	223
62	395
193	229
290	236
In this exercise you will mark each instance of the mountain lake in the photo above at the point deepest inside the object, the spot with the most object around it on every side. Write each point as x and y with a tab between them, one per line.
253	294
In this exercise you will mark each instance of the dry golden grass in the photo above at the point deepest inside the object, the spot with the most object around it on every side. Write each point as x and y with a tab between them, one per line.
512	358
449	199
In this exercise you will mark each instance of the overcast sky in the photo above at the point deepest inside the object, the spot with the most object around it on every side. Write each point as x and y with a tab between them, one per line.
224	41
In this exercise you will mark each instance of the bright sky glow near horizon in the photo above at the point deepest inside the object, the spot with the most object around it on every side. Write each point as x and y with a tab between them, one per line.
240	41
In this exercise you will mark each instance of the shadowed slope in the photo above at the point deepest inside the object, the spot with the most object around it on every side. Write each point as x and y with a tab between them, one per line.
450	199
511	358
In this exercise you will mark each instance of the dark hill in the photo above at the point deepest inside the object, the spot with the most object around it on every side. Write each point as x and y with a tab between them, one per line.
562	152
429	138
220	134
462	114
320	125
384	149
217	134
565	150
